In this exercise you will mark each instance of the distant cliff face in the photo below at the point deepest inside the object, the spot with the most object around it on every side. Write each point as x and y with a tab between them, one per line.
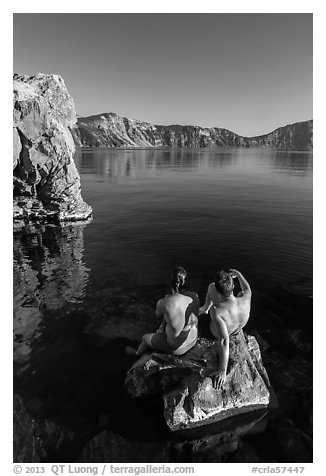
111	130
297	136
46	180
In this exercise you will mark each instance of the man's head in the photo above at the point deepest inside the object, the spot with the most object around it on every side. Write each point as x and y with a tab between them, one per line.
224	283
178	278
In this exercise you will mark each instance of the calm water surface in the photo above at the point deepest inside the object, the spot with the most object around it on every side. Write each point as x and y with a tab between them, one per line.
154	209
204	209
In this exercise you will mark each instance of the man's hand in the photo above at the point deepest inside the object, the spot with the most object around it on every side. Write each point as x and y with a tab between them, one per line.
242	281
218	379
234	273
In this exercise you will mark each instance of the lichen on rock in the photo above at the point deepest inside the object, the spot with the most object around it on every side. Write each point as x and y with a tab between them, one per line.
190	400
46	180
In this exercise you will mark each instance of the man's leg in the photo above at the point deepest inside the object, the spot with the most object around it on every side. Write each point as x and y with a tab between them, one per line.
144	345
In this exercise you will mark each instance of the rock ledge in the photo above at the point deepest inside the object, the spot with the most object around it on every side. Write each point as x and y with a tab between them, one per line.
189	397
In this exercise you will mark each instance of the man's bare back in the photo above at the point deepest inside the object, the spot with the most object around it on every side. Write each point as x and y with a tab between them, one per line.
179	314
178	310
235	312
228	314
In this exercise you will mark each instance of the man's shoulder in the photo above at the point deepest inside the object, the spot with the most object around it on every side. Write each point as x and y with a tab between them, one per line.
190	294
165	302
170	301
160	302
244	296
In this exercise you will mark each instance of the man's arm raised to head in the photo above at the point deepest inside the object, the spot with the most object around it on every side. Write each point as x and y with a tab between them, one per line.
245	287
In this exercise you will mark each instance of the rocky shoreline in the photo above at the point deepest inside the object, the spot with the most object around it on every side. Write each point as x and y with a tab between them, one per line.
46	180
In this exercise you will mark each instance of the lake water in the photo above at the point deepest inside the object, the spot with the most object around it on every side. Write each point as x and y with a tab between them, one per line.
81	290
203	209
154	209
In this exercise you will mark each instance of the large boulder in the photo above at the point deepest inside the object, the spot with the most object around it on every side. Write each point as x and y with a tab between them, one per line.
189	397
46	180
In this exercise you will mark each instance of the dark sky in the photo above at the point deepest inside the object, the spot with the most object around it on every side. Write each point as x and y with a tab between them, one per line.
249	73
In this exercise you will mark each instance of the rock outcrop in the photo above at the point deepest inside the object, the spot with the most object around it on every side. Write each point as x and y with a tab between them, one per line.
46	180
189	397
111	130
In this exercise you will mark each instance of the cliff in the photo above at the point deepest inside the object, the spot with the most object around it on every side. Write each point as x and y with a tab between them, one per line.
297	136
46	180
111	130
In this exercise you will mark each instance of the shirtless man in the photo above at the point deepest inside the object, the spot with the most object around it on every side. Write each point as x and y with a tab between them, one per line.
178	331
228	314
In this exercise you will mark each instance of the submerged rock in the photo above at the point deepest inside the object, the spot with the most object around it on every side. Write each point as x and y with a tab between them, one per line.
189	397
108	446
24	439
215	443
46	180
296	445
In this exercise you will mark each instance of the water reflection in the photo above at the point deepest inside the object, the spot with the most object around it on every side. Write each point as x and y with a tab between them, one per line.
294	163
49	273
112	164
141	163
247	206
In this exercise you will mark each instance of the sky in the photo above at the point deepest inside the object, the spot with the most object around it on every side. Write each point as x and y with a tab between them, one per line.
249	73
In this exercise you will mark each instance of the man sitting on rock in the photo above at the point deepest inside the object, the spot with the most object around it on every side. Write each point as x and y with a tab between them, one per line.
178	332
228	314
